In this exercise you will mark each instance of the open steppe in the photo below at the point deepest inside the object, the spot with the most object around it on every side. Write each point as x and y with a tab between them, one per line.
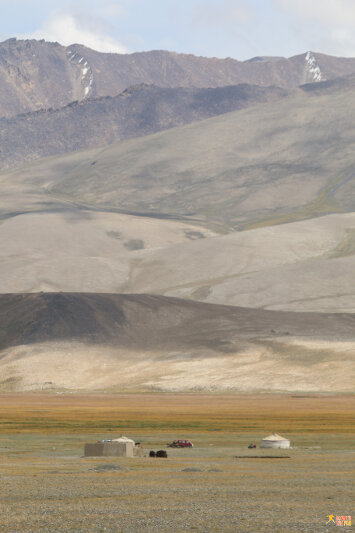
47	486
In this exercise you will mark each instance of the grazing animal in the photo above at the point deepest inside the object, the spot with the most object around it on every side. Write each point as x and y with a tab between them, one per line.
152	453
162	453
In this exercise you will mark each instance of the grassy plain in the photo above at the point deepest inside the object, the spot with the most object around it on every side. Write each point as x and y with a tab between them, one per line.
47	486
80	413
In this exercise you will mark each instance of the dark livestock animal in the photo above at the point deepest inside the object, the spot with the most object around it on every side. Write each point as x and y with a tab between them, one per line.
162	453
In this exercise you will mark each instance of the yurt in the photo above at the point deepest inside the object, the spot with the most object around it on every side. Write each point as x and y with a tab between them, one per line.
121	447
275	441
127	443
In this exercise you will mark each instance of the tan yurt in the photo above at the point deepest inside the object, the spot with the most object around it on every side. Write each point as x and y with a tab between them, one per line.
275	441
121	447
128	443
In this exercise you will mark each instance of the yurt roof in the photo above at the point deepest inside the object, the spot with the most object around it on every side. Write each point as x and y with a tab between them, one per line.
123	439
274	437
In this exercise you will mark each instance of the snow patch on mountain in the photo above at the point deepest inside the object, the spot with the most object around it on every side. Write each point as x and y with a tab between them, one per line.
312	67
86	75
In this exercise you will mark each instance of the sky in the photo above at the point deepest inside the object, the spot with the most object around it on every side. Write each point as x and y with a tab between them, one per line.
215	28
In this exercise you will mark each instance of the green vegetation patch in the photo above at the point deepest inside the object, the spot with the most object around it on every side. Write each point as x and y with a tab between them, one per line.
346	246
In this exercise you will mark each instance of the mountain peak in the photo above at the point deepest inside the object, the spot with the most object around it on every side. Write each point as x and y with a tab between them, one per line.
37	74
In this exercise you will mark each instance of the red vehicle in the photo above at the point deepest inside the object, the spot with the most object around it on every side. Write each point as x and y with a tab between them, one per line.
181	443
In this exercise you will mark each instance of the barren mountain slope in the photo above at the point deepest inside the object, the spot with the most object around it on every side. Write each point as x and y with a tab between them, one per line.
36	74
138	111
268	164
302	266
65	222
68	249
80	341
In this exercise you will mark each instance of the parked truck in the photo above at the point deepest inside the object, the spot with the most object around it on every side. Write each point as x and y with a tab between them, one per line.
181	443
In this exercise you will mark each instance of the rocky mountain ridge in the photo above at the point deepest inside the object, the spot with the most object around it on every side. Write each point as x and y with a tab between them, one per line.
40	75
138	111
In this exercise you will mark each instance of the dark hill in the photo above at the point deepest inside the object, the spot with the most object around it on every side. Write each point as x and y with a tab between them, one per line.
137	111
139	342
154	322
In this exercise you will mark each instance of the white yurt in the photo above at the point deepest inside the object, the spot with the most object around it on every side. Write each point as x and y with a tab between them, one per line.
127	443
275	441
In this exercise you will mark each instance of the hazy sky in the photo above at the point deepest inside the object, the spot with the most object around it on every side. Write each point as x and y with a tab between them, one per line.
221	28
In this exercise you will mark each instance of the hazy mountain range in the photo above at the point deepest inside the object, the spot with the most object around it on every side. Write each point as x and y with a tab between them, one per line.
211	180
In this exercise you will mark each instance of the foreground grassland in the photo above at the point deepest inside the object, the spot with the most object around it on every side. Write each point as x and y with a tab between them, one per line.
47	486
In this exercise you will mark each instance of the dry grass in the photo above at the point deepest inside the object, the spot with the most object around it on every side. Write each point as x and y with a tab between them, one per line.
76	413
